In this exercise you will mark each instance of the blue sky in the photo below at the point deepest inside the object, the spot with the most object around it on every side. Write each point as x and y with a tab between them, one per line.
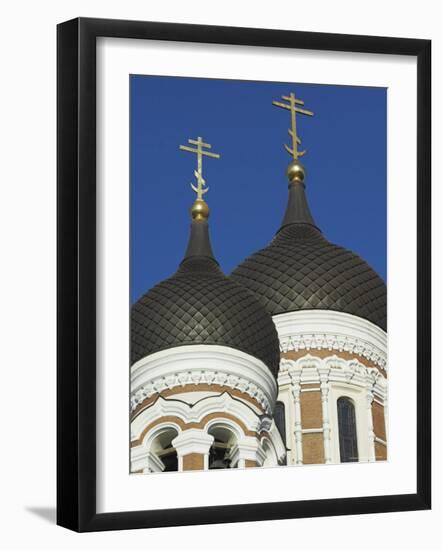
345	164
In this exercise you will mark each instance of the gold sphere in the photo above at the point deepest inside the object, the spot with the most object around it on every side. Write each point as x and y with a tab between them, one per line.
296	172
200	210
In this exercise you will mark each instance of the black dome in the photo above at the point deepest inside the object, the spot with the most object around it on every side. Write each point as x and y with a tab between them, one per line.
301	270
200	305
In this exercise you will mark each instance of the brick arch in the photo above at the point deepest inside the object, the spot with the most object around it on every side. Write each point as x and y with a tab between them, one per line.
169	419
143	405
189	425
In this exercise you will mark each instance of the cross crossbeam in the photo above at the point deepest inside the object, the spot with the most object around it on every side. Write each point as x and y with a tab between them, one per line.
292	106
200	151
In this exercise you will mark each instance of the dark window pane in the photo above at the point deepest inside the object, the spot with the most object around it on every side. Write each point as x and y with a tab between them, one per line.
170	462
279	416
348	443
218	457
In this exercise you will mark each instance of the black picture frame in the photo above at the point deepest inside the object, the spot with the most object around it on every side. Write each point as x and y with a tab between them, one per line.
76	274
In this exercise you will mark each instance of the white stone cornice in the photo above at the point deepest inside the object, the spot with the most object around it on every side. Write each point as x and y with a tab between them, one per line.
203	364
331	330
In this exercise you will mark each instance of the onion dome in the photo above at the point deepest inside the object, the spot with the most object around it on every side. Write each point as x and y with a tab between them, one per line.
200	305
301	270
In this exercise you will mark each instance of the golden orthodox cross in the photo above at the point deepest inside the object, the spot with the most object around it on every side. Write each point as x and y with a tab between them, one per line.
200	152
292	107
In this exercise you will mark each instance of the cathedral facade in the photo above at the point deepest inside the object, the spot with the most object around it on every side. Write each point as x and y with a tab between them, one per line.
284	362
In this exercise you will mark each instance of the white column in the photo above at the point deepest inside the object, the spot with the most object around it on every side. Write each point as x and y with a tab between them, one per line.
247	448
371	435
325	389
296	392
193	441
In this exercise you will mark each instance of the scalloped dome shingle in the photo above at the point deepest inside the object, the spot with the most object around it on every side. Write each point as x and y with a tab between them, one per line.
200	305
300	269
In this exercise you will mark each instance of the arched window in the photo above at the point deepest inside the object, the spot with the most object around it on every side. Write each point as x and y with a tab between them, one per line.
219	455
162	447
279	416
348	443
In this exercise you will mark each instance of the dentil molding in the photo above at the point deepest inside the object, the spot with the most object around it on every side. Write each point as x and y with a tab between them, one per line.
203	364
333	331
310	369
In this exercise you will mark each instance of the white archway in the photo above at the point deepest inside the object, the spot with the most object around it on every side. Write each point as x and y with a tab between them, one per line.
226	435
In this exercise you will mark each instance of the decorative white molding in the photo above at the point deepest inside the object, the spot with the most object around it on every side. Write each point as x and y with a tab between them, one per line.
312	430
309	368
203	364
283	377
331	330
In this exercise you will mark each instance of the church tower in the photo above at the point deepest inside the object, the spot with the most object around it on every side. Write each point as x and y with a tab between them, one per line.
329	308
204	364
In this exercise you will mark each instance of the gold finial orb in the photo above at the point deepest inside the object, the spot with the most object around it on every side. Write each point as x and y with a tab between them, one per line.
296	172
200	210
